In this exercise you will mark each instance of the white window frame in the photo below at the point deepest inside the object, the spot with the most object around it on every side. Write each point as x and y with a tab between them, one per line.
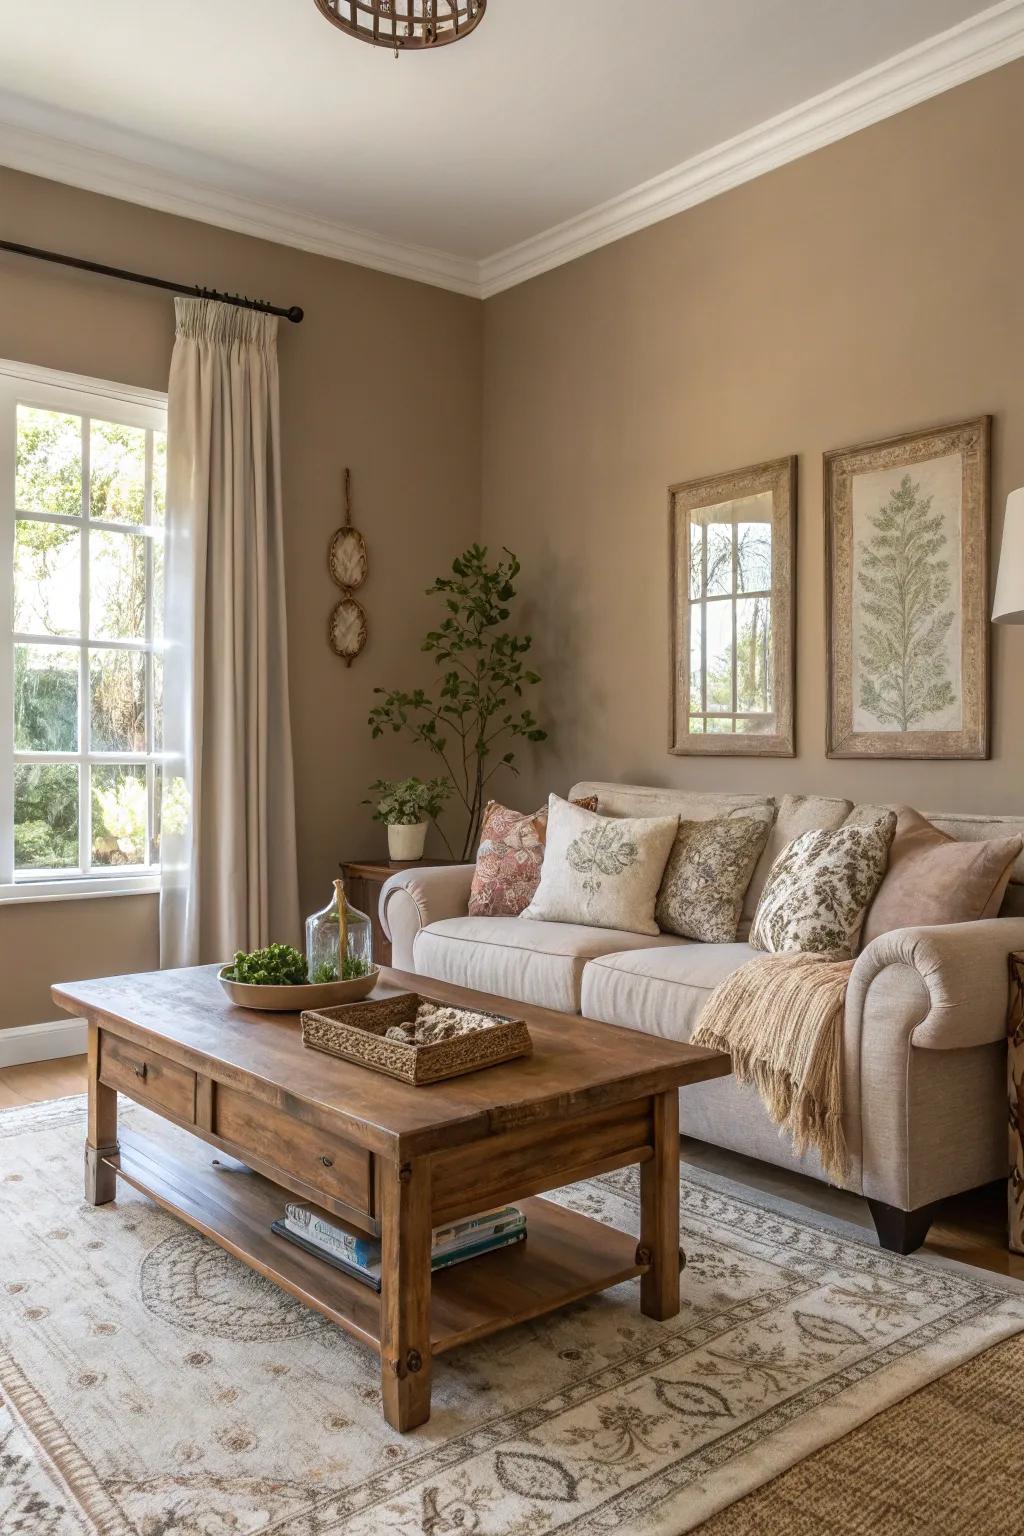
25	384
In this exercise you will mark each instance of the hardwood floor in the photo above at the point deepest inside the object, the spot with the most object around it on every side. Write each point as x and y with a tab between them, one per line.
970	1228
38	1080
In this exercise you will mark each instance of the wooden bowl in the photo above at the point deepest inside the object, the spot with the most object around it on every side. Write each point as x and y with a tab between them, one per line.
292	999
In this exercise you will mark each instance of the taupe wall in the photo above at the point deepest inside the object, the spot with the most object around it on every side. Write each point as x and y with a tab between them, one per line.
46	941
383	375
871	288
868	289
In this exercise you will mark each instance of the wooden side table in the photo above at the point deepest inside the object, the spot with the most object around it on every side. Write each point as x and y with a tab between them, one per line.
1015	1084
363	881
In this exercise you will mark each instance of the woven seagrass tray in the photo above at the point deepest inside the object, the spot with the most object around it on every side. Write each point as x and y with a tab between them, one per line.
357	1032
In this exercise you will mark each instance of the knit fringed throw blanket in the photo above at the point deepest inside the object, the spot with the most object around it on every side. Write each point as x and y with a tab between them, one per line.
780	1017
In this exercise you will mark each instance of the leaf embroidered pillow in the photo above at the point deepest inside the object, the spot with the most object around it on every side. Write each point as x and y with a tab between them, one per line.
708	871
509	859
819	889
603	871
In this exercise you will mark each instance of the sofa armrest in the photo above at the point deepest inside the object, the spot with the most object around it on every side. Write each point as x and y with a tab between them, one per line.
414	898
948	984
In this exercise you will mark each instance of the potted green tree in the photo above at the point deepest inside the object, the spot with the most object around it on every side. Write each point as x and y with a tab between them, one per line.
475	708
407	807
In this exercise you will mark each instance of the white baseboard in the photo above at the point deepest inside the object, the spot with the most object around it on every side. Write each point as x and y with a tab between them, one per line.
42	1042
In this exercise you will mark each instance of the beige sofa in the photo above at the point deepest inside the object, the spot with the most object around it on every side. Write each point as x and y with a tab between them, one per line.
924	1056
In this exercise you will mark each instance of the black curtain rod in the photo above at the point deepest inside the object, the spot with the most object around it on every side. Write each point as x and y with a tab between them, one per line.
294	313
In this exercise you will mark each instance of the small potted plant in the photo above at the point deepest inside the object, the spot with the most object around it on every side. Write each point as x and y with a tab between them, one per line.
407	807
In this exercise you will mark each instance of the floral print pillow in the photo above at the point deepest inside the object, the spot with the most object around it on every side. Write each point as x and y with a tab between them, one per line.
509	859
708	871
602	871
819	889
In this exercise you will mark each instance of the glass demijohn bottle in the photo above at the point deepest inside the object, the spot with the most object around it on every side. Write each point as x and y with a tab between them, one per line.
340	928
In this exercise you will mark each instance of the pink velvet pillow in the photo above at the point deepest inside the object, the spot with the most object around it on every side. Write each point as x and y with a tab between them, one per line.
932	878
509	859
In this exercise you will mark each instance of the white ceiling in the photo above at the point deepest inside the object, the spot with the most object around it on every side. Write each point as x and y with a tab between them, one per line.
551	109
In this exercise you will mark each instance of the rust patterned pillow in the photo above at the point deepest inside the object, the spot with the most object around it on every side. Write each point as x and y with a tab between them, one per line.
509	859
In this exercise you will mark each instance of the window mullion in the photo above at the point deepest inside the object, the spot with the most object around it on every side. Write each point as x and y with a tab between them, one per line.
54	519
84	703
8	440
148	670
704	620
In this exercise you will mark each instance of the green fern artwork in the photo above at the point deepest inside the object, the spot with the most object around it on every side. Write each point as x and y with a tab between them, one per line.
904	576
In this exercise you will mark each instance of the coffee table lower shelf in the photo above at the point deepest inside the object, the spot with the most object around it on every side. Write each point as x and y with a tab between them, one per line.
565	1256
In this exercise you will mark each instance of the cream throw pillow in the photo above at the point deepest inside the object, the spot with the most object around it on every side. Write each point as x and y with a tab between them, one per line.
603	871
819	889
707	875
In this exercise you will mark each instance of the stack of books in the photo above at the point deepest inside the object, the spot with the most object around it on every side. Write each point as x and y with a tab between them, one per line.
360	1256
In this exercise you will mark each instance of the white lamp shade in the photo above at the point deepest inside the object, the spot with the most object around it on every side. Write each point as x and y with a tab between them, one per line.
1008	607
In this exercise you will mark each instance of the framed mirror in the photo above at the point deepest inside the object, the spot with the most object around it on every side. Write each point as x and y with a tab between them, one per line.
732	546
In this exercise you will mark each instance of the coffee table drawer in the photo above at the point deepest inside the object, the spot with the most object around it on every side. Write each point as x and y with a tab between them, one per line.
336	1167
145	1075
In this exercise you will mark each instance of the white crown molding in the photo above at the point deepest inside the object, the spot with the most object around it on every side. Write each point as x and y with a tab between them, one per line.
114	176
982	43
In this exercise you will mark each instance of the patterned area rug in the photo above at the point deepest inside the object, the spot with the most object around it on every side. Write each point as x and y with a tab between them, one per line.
152	1385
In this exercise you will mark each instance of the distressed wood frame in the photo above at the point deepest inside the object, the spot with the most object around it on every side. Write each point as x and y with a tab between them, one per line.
778	476
971	439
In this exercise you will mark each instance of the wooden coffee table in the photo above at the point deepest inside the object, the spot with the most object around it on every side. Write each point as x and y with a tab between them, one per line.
390	1159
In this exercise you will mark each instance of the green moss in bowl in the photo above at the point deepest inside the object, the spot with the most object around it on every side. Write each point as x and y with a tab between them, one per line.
279	965
352	968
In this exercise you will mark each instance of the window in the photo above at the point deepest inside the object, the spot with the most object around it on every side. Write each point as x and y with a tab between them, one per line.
82	478
732	612
730	616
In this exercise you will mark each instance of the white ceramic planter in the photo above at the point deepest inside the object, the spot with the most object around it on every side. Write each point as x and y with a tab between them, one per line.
406	843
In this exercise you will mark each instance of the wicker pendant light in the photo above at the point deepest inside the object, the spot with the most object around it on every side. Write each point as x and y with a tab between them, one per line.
404	24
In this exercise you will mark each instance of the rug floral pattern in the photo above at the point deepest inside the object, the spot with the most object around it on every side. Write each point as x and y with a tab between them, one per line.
150	1385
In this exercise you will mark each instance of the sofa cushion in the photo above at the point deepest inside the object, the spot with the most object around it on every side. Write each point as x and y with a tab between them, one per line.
509	859
819	890
796	814
688	804
707	875
933	879
660	991
979	829
518	957
602	871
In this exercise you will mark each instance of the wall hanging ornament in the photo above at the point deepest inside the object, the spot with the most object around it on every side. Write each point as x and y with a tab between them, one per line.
347	563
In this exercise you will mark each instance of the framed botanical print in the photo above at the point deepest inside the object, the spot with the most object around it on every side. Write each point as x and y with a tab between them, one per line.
906	549
732	546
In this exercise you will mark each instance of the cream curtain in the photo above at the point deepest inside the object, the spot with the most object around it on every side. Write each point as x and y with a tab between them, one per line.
228	864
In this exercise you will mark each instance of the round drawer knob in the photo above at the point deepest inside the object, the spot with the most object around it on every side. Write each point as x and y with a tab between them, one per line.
328	1162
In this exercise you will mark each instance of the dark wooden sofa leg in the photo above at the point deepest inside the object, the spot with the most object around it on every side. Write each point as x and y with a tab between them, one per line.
900	1231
